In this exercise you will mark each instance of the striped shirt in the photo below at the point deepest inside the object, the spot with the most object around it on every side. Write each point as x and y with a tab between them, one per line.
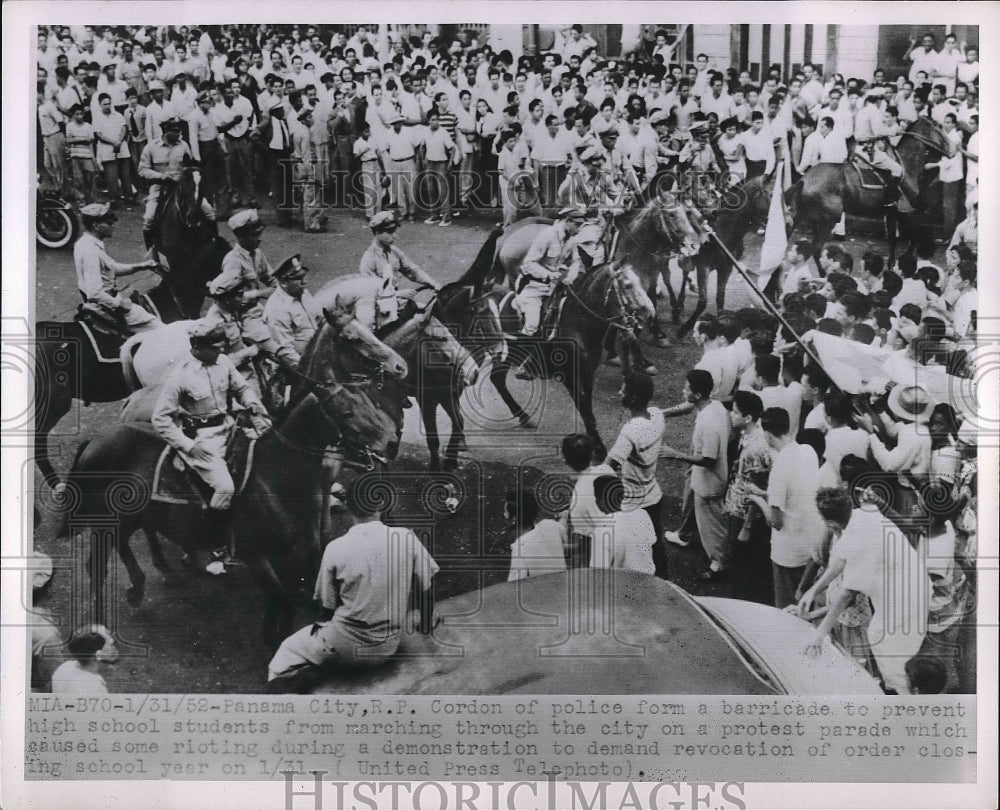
637	450
449	123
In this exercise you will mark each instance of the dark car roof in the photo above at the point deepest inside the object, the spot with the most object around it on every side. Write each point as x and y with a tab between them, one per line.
512	638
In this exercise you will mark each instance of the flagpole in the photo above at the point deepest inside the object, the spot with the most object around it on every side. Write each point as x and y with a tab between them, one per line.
768	305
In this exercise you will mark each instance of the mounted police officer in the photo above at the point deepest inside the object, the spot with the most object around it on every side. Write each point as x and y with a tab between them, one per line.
384	260
291	314
194	415
162	161
97	272
547	263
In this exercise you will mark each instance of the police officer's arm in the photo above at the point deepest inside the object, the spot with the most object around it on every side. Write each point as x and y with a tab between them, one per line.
241	388
164	412
413	271
531	264
146	170
193	128
279	324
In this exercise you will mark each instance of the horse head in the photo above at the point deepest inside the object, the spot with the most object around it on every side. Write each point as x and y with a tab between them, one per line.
435	346
921	137
187	197
357	423
357	343
476	315
634	299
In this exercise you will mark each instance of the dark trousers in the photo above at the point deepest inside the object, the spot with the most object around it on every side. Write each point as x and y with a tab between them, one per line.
240	160
279	169
655	512
214	176
786	582
755	168
753	580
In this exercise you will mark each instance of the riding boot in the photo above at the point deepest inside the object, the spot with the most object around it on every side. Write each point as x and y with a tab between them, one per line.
220	528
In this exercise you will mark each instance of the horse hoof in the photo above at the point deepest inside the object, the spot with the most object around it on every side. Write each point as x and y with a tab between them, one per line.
135	594
59	489
613	361
434	466
450	464
662	343
526	421
652	371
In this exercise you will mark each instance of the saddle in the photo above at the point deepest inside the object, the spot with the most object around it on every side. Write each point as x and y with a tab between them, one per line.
869	177
105	332
175	482
548	324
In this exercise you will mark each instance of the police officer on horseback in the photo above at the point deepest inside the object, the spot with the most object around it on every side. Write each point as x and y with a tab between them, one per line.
162	162
97	272
194	415
384	260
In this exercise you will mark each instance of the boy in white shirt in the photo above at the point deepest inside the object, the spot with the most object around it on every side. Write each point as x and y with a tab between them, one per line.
623	539
539	547
635	454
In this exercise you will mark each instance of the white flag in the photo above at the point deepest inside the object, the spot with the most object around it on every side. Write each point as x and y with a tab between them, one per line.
775	240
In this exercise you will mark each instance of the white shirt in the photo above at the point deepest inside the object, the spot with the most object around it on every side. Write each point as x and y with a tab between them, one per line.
637	450
724	365
912	453
792	489
624	540
584	516
833	148
538	551
844	441
72	679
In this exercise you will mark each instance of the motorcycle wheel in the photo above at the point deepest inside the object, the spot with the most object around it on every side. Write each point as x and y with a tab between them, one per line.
54	227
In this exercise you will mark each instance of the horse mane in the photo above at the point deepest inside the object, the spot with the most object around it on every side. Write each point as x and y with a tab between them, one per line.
482	266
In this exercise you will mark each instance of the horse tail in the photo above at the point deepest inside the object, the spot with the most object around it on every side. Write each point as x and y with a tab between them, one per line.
127	356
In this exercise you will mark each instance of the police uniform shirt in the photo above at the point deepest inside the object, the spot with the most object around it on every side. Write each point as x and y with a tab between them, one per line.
96	271
545	253
198	390
377	261
238	263
292	322
160	158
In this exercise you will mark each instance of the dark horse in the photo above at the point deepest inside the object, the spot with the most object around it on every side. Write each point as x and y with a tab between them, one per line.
66	365
439	366
603	298
829	190
277	516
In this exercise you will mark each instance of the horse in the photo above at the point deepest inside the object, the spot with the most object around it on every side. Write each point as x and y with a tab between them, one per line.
277	516
604	297
828	190
741	207
68	366
439	366
653	233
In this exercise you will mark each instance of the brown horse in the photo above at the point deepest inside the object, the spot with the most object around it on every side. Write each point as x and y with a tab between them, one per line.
829	190
276	517
66	365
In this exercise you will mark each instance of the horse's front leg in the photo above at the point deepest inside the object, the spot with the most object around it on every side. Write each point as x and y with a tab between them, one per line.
456	443
428	415
498	376
656	333
581	388
611	349
137	579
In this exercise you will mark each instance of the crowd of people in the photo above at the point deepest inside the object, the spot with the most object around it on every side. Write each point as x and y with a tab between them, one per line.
314	117
857	512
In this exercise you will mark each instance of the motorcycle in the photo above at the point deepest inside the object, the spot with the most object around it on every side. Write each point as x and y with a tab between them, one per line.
56	224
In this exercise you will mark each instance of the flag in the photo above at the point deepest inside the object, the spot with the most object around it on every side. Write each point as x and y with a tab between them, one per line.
775	240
